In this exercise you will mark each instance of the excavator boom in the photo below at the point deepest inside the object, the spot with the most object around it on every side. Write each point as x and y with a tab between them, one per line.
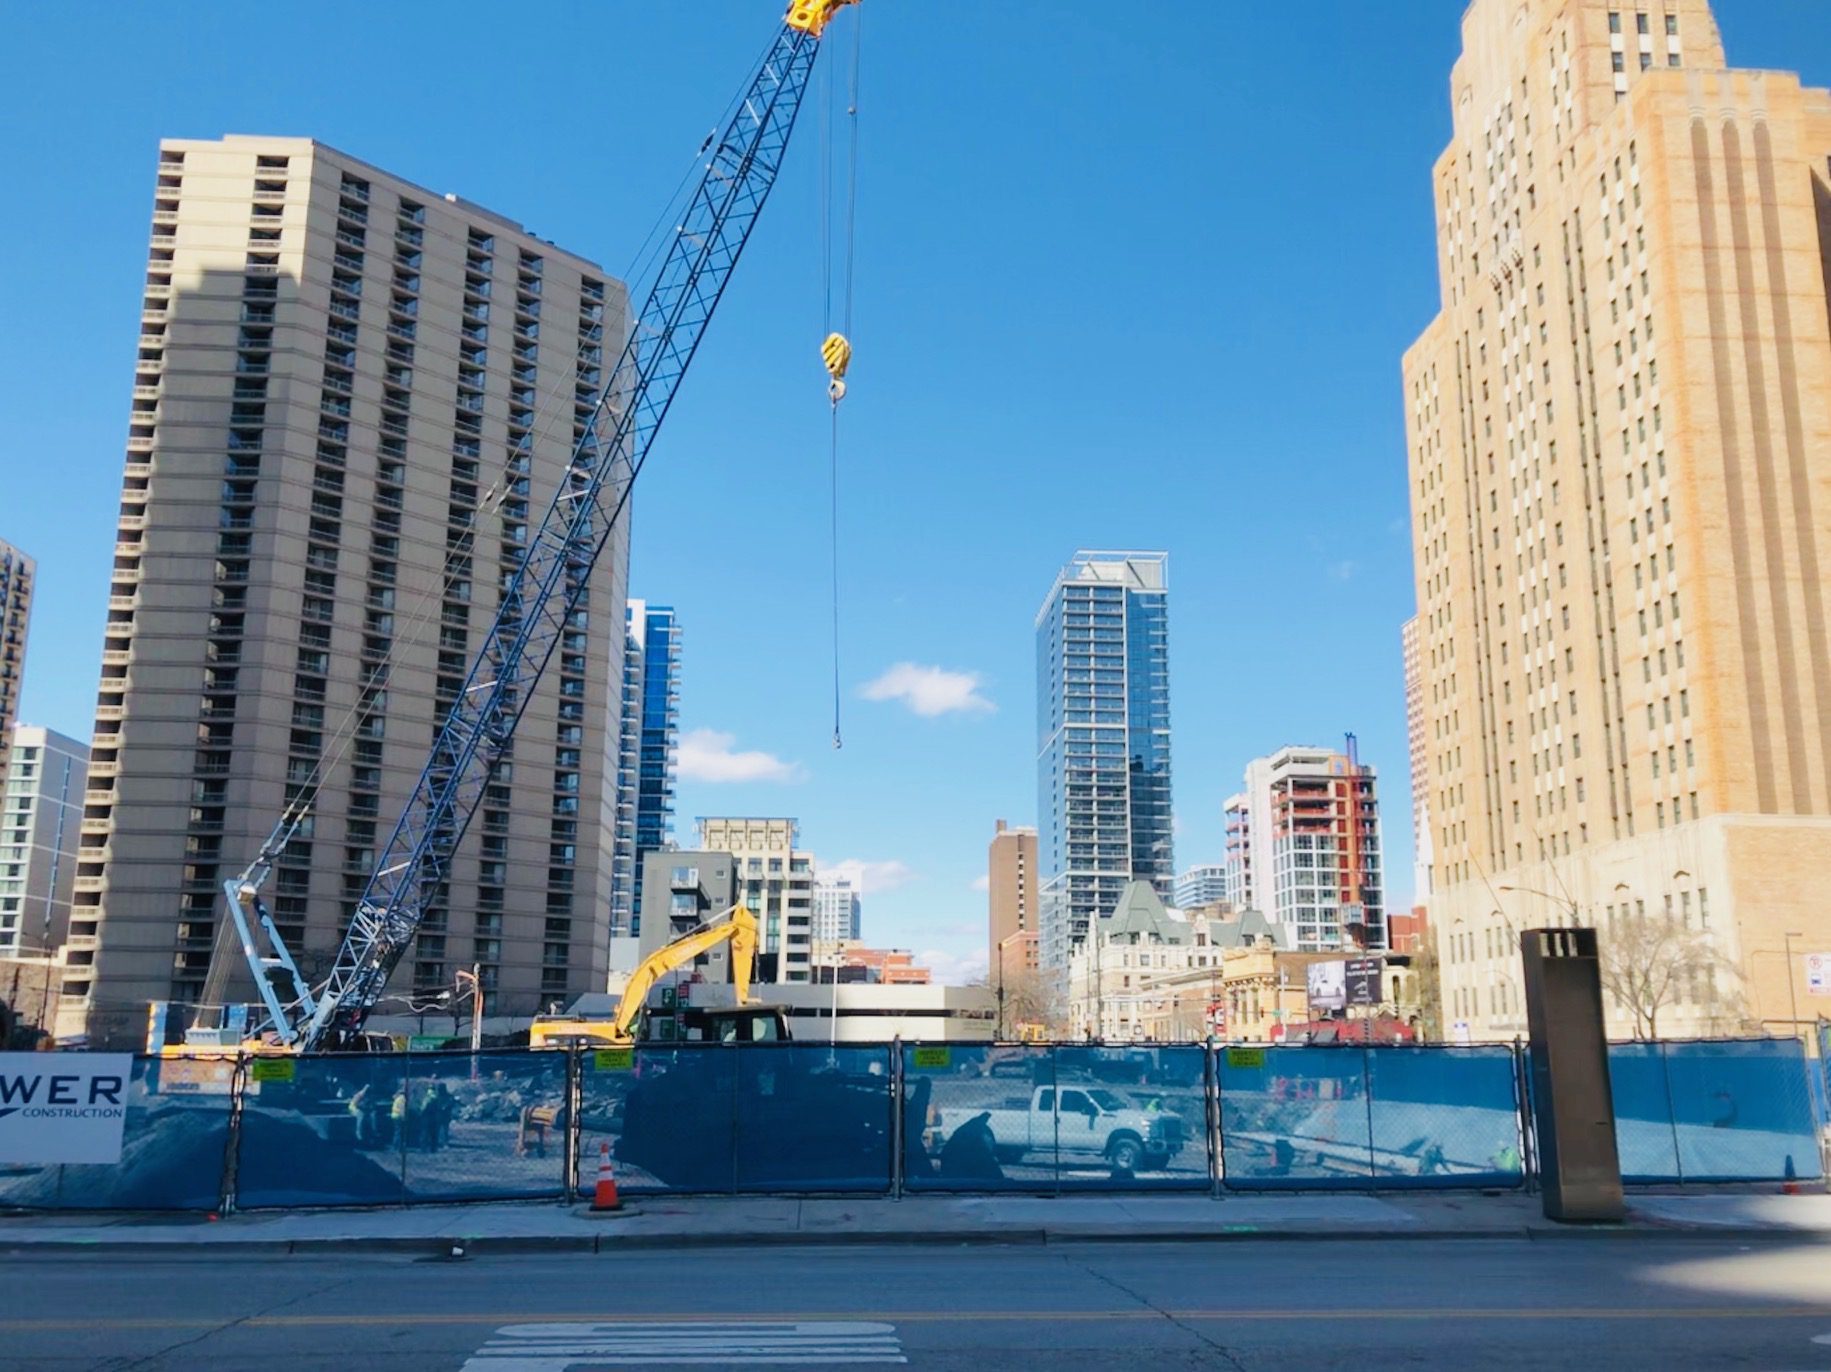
739	928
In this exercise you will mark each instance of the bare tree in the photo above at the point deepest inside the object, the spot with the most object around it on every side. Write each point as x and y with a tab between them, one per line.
1426	984
1647	960
1027	998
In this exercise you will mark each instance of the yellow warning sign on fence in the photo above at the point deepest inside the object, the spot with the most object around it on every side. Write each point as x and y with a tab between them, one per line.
273	1069
614	1059
1246	1057
929	1059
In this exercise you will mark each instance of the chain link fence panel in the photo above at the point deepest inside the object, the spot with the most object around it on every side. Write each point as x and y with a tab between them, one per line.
321	1131
174	1145
1644	1140
1444	1117
978	1117
1294	1118
493	1127
729	1118
1742	1110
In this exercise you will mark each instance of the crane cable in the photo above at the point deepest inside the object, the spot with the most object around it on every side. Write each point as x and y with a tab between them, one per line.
836	350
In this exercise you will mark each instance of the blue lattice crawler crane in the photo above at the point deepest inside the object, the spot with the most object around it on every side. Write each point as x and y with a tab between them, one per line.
743	160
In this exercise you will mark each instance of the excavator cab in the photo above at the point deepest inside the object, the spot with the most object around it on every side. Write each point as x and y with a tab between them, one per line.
741	1024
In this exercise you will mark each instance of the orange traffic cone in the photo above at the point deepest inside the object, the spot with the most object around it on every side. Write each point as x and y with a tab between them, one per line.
605	1197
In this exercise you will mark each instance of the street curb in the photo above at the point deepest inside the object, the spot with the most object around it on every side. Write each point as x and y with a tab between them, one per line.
609	1244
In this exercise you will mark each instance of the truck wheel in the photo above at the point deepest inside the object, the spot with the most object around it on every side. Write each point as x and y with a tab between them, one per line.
1125	1153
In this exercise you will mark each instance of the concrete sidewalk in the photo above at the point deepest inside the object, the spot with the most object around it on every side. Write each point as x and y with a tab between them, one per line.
660	1222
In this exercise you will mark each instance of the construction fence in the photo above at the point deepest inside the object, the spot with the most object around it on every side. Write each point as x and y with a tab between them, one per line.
910	1119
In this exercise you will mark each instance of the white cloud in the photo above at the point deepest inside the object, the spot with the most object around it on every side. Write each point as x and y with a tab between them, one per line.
954	969
1345	570
930	691
982	882
868	877
707	755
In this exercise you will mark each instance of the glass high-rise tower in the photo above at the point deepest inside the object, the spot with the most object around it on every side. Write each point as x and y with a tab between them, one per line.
648	735
1102	741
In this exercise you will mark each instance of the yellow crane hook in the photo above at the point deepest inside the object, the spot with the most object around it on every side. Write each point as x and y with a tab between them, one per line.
837	354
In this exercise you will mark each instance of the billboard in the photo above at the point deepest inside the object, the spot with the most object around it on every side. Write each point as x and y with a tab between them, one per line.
1339	985
1328	986
1361	978
63	1107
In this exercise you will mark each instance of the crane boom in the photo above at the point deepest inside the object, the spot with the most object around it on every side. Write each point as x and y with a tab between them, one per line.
548	586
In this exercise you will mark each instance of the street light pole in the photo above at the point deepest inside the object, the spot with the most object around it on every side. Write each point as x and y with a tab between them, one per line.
1001	988
1792	988
475	978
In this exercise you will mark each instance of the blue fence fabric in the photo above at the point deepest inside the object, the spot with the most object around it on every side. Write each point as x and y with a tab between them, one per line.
363	1129
719	1119
982	1117
1295	1118
1644	1139
804	1118
1742	1110
1444	1117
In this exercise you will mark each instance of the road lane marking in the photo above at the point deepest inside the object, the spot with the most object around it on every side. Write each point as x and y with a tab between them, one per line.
503	1318
560	1346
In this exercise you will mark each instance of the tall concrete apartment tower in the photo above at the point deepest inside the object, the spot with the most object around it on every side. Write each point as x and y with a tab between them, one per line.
17	572
1012	910
40	812
1304	847
354	398
1618	427
1103	741
648	740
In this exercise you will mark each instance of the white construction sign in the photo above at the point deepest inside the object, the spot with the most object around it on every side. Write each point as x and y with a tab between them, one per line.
1818	974
63	1107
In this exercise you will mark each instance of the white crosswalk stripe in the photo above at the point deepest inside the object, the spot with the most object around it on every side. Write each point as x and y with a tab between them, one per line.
570	1347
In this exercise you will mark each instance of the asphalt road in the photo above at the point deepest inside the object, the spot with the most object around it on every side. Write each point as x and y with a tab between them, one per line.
1567	1303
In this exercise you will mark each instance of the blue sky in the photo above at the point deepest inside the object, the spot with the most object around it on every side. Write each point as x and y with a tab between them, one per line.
1126	278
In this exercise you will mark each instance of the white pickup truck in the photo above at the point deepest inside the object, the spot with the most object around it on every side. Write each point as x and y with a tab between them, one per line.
1091	1122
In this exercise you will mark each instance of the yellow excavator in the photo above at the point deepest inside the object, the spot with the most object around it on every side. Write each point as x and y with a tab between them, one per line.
744	1022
